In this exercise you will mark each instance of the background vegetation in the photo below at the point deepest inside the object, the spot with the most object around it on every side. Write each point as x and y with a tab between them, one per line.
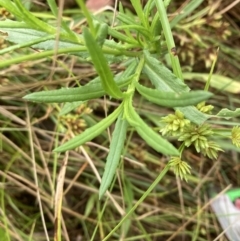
175	210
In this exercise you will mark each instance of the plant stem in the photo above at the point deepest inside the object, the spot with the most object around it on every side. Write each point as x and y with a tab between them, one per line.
153	185
169	38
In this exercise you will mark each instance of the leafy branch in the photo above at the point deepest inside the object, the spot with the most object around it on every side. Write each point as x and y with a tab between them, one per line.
140	45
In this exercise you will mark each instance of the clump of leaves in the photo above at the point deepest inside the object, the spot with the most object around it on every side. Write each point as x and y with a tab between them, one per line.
138	44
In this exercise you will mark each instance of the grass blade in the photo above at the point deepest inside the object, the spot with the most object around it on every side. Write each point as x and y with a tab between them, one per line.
153	185
188	9
139	10
169	38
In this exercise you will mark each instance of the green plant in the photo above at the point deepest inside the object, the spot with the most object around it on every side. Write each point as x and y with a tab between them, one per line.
138	43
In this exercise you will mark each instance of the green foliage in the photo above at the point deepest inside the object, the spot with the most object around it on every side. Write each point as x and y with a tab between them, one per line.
114	155
171	99
139	44
91	132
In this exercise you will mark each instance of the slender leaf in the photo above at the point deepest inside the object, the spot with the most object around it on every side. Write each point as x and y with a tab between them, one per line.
122	37
139	10
26	36
161	77
32	21
25	44
11	8
228	114
219	82
114	155
128	196
101	33
194	115
127	19
27	33
137	28
188	9
164	80
101	66
171	99
145	194
87	14
152	138
92	90
91	132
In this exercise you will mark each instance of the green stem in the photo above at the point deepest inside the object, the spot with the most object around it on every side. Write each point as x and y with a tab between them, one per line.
28	44
50	53
153	185
87	15
169	38
181	148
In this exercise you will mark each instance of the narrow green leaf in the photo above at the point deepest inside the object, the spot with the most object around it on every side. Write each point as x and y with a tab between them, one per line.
32	21
101	33
145	194
27	36
114	155
126	18
152	138
171	99
139	10
193	114
101	66
128	194
164	80
161	77
188	9
92	90
25	44
228	114
87	14
90	206
91	132
136	28
127	106
53	6
122	37
219	82
27	33
11	8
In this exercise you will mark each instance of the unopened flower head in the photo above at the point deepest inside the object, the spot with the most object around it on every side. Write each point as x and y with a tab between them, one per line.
180	168
212	150
174	124
196	135
205	108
